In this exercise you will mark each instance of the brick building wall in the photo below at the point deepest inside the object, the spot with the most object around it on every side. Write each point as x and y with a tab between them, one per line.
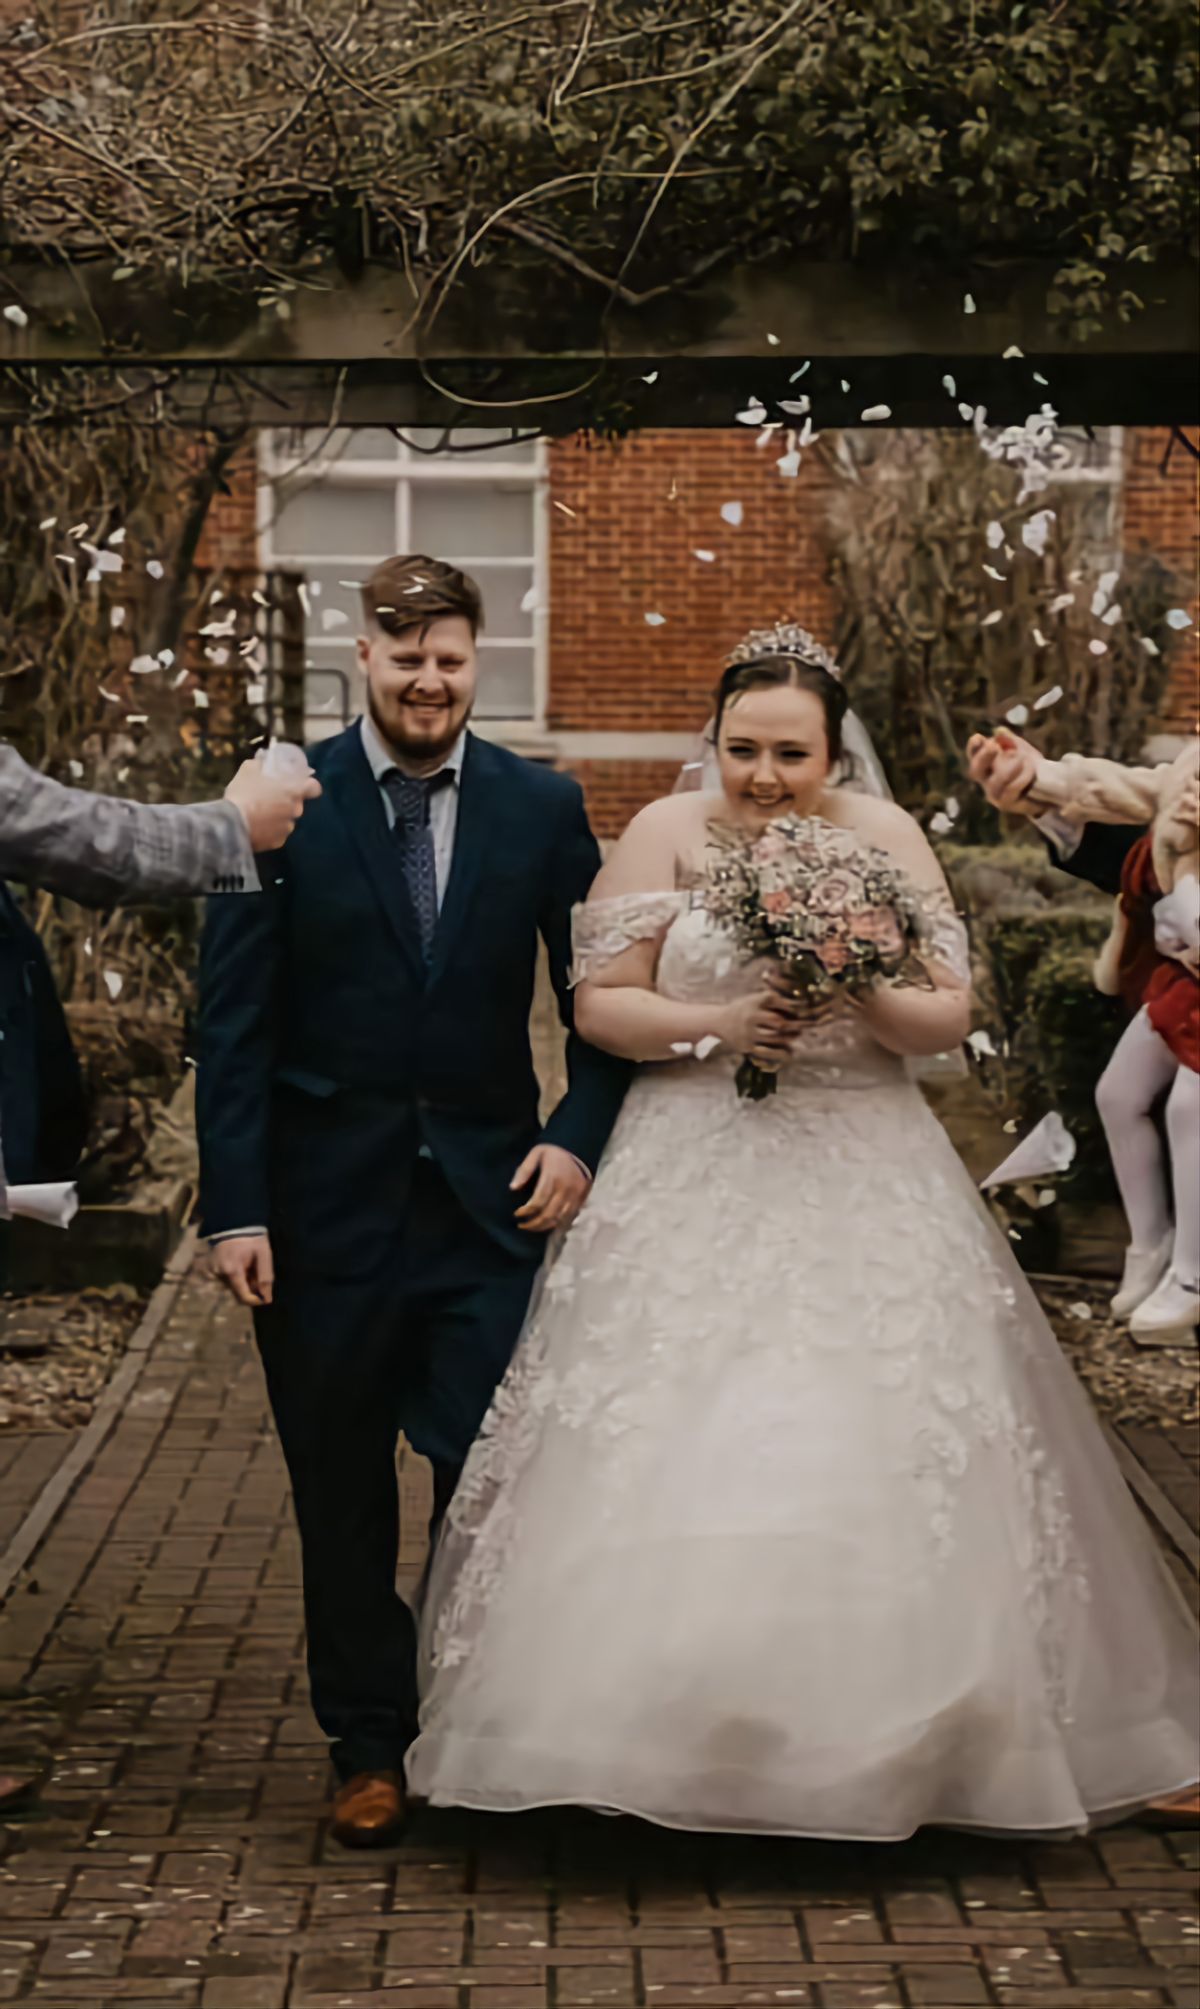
625	697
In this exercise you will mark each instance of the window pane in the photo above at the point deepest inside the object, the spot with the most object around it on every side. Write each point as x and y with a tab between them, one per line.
323	519
503	589
465	520
505	683
475	436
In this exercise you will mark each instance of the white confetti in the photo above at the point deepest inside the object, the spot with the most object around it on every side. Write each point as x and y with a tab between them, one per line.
966	411
1019	715
1080	1310
732	512
1047	1197
797	374
200	700
1038	378
789	463
652	378
142	665
116	617
968	303
75	769
1107	583
941	824
707	1045
1151	647
953	806
529	600
1011	353
1177	618
990	620
982	1044
874	412
773	340
118	537
1042	641
845	388
114	983
1098	648
654	620
995	535
1048	698
1037	530
110	697
705	557
796	406
17	316
166	657
134	718
154	568
993	574
47	523
1060	604
753	415
950	387
256	693
333	617
1111	614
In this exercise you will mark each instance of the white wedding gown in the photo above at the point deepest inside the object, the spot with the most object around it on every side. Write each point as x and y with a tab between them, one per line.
790	1516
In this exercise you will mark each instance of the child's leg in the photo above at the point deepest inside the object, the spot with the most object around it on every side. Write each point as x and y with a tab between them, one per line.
1142	1067
1183	1130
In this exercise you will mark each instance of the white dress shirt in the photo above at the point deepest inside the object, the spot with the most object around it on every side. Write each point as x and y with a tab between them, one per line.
1065	835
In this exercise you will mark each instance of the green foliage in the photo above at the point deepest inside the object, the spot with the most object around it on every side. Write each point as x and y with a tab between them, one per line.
622	147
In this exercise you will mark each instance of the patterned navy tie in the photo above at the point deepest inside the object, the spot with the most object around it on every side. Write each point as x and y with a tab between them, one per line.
409	796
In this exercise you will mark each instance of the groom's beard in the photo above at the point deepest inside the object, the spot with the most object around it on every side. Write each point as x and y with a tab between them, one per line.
419	742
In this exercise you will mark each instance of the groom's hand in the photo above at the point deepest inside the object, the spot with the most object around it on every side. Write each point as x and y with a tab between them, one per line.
245	1263
560	1190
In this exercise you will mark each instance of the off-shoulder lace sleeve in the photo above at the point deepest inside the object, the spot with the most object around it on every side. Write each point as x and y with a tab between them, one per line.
602	929
943	933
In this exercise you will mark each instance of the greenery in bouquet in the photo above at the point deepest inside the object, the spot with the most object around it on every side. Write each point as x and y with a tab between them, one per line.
836	917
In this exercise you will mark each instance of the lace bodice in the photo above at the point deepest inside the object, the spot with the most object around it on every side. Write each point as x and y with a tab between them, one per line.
698	961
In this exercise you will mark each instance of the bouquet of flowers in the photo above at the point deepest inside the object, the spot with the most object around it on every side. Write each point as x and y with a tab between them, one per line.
806	895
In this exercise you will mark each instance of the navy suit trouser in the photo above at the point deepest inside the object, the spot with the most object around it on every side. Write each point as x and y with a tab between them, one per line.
418	1344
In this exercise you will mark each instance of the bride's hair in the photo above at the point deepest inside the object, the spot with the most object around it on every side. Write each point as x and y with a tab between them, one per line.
776	669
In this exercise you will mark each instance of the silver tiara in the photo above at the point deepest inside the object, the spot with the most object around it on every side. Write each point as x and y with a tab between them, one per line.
784	639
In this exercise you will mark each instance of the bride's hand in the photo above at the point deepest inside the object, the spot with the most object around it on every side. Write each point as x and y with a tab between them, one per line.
761	1026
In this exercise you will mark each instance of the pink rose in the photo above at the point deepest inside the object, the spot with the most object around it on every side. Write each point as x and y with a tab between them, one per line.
835	892
777	903
832	955
878	925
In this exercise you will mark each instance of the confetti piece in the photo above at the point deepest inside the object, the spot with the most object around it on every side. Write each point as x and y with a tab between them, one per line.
1011	1127
1098	648
116	617
707	1045
993	574
683	1047
773	340
200	700
118	537
1047	1197
995	535
558	505
789	464
166	657
333	617
1111	614
705	557
966	411
1047	698
1019	715
1035	533
1062	602
154	568
17	316
732	512
1151	648
1011	353
753	415
981	1044
142	665
652	378
654	620
1177	618
941	824
47	523
990	620
953	806
797	406
874	412
110	697
950	387
75	769
845	388
1080	1310
797	374
1039	379
968	303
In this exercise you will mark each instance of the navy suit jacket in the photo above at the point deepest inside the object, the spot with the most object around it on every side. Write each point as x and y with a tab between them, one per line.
329	1053
1100	854
43	1112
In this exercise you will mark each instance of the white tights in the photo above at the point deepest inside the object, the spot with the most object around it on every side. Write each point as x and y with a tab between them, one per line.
1140	1071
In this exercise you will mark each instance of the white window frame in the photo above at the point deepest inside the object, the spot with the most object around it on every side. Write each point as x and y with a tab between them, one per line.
407	471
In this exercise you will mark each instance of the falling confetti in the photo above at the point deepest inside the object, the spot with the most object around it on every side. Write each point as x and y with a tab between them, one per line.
990	620
1062	602
968	303
995	535
333	617
1151	647
1019	715
796	406
558	505
941	824
732	512
789	463
705	557
652	378
1080	1310
200	700
1041	640
1035	533
773	340
874	412
654	620
1177	618
753	415
1048	698
1011	353
993	574
47	523
982	1044
950	387
17	316
116	617
1098	648
142	665
529	600
1111	615
154	568
797	374
845	388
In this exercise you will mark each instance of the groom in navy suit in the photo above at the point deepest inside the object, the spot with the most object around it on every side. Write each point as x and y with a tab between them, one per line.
374	1176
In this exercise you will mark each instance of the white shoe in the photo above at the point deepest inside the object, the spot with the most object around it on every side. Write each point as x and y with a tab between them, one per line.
1168	1315
1144	1271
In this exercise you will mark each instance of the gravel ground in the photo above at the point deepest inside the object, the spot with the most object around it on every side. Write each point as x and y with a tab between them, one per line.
1127	1383
57	1351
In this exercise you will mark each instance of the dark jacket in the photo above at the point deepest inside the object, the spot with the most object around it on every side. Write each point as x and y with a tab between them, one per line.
43	1114
328	1054
1100	854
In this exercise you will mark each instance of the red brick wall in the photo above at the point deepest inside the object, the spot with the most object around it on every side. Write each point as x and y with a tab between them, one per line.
230	535
1162	516
641	510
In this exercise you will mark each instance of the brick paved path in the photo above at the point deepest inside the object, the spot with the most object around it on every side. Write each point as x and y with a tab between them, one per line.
179	1854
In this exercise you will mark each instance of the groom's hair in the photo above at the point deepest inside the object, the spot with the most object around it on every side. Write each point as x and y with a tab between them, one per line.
414	591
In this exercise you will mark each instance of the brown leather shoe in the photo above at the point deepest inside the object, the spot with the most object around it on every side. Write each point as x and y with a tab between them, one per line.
369	1810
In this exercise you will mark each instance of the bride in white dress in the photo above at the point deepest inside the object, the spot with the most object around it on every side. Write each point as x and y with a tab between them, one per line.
790	1515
